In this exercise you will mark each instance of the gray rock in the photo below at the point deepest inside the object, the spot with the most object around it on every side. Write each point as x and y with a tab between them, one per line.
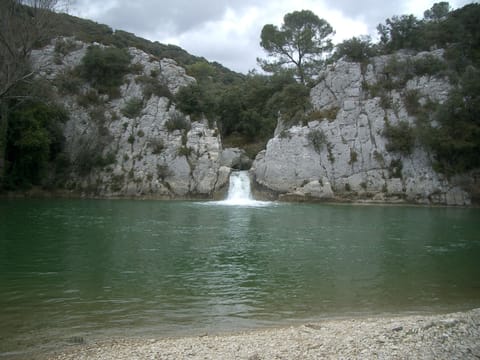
144	158
353	158
235	158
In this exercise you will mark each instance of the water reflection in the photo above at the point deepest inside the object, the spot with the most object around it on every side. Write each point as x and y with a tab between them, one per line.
92	268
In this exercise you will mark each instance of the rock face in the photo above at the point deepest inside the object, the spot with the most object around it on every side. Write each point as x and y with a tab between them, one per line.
117	153
158	151
349	158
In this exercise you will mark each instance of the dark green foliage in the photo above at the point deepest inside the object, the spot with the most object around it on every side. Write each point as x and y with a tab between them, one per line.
300	42
292	103
66	46
196	102
397	72
89	98
385	100
34	140
246	109
97	115
177	121
401	137
153	86
132	108
429	65
356	49
330	114
90	157
163	172
89	32
157	146
400	32
184	151
68	83
318	139
353	157
412	103
105	68
395	169
456	140
457	31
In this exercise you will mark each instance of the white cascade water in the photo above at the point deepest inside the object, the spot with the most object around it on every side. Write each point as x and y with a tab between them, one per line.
239	191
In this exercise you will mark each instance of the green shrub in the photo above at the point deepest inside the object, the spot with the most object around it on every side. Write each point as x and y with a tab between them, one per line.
395	169
353	156
132	108
412	103
97	115
157	146
385	101
131	139
401	137
163	172
455	141
65	46
105	68
330	155
378	157
184	151
355	49
196	101
292	102
329	114
153	86
318	139
68	83
429	65
34	139
177	121
89	98
136	68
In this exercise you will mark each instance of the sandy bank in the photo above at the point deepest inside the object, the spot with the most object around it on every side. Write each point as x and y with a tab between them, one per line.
448	336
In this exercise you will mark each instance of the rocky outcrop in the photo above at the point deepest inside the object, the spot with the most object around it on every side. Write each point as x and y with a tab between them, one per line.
343	152
235	158
116	153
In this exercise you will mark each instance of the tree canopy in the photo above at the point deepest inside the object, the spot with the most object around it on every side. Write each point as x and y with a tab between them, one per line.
301	42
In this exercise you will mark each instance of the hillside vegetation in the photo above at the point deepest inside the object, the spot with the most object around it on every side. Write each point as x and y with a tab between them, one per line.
246	107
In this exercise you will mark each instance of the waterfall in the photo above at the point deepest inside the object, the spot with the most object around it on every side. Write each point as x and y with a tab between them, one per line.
239	191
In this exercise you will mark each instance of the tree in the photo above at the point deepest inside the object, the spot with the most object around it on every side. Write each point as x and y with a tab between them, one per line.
400	32
437	12
356	49
24	24
300	42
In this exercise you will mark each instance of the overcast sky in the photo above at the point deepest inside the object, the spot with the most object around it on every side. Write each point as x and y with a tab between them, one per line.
228	31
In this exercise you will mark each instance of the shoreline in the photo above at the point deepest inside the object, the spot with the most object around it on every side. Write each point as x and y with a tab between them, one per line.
441	336
38	194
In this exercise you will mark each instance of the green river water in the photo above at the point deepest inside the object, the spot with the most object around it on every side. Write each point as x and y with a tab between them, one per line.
77	270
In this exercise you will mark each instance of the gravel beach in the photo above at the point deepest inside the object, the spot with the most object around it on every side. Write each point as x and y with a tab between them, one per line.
446	336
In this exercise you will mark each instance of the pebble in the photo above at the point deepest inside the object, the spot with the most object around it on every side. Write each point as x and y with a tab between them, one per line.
450	336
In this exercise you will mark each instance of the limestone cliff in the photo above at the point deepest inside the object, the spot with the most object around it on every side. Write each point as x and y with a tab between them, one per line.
137	153
342	152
